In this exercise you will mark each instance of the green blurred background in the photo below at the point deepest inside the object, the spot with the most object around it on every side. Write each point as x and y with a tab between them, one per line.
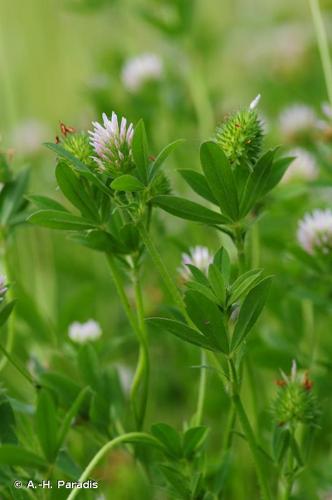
61	61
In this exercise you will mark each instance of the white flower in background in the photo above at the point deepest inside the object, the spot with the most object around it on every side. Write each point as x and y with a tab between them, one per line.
112	144
28	136
141	69
303	167
84	332
198	256
296	120
3	286
314	232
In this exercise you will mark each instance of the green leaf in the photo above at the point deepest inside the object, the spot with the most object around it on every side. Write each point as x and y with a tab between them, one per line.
217	283
250	312
79	166
193	439
162	156
46	203
46	424
140	151
7	421
203	289
74	190
220	178
244	284
68	419
5	311
12	196
198	275
198	183
278	169
98	240
208	318
257	182
222	261
127	183
179	482
20	457
64	387
169	437
56	219
188	210
182	331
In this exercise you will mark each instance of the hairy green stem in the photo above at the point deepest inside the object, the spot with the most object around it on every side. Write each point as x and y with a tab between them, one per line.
142	372
323	45
201	390
124	438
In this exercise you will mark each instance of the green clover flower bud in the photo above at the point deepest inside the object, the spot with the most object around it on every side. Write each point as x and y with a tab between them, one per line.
295	402
241	136
78	144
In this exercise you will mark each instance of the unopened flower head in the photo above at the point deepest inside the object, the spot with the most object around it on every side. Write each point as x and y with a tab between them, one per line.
297	121
241	135
303	168
295	402
314	232
84	332
3	287
199	257
141	69
111	142
78	144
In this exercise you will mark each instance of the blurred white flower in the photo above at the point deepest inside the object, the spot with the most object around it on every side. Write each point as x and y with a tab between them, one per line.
296	120
28	136
198	256
303	167
84	332
138	70
3	286
112	143
315	232
282	48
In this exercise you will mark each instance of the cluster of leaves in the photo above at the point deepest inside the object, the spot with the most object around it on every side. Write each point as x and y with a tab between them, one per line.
212	303
235	195
102	224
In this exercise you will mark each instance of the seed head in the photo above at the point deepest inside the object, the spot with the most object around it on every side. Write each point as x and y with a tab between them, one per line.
295	402
241	135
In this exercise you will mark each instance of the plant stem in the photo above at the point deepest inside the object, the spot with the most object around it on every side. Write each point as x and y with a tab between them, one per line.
158	262
323	45
201	390
124	438
142	368
239	243
249	434
141	378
